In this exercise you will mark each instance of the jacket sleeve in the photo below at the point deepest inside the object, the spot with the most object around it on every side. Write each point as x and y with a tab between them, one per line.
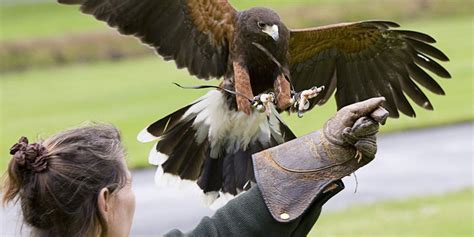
247	215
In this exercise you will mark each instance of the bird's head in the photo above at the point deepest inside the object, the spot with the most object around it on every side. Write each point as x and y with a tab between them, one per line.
261	24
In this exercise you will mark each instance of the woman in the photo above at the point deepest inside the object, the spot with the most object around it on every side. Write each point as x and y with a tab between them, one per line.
76	183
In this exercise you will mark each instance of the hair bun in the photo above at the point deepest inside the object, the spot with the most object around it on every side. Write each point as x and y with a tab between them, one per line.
29	156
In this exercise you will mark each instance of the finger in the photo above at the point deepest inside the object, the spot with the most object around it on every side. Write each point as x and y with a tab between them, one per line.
365	126
368	146
380	115
367	106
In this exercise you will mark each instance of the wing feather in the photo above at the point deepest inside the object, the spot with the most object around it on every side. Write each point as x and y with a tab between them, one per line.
424	79
386	87
428	63
415	35
366	59
328	70
194	33
428	49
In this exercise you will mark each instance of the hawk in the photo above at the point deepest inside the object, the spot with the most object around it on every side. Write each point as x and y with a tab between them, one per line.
262	61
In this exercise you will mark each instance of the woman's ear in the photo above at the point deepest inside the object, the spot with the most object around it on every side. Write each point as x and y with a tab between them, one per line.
103	203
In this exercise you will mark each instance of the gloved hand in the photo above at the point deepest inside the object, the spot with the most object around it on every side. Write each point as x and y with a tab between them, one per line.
295	174
355	126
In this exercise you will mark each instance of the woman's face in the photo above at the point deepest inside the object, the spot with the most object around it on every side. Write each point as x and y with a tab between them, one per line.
122	205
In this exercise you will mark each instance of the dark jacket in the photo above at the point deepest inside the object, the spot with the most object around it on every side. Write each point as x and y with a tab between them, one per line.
247	215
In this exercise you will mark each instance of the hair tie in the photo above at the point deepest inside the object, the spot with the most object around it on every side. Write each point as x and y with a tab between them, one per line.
29	156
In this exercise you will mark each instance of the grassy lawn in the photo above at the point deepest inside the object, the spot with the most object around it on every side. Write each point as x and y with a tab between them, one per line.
445	215
131	94
50	19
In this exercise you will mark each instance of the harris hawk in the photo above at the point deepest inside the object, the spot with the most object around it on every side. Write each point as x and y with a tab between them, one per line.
212	139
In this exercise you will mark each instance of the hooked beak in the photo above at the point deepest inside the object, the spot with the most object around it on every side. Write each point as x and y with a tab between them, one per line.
272	31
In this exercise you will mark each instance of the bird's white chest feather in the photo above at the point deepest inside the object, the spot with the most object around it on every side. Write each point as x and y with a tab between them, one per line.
229	129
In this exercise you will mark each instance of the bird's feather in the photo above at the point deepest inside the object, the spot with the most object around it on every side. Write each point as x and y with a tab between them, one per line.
194	33
369	59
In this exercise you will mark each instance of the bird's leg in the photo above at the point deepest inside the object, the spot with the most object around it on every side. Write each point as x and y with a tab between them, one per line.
282	96
300	100
283	92
243	87
263	101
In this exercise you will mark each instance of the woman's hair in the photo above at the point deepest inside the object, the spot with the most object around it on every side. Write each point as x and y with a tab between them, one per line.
58	180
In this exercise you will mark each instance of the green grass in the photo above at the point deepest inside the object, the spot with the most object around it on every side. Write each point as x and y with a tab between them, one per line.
50	19
131	94
53	19
444	215
44	19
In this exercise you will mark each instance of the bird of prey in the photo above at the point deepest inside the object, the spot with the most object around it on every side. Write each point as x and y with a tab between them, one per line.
262	61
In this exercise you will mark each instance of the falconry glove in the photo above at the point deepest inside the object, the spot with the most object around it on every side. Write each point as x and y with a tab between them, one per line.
293	175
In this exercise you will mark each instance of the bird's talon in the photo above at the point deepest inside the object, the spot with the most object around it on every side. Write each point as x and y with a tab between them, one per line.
300	114
300	100
292	101
260	108
262	102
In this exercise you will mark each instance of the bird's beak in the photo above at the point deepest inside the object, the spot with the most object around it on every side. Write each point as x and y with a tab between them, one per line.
272	31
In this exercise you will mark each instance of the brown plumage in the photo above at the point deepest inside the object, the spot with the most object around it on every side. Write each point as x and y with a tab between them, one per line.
211	39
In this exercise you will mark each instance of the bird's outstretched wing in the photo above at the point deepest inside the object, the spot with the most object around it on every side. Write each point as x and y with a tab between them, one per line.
194	33
366	59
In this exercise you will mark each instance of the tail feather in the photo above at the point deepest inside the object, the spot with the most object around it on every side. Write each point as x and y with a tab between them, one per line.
243	165
211	176
178	158
212	145
238	171
157	129
173	138
229	182
192	169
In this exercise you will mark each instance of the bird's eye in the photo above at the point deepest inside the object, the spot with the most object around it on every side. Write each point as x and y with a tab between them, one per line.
261	24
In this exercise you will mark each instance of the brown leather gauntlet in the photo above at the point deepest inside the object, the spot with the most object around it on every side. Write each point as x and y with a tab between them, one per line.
291	175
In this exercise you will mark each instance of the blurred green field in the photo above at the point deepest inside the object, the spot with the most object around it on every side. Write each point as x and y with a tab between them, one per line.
49	19
53	19
133	93
444	215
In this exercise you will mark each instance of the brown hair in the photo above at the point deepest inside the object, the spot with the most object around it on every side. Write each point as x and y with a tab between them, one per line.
57	181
